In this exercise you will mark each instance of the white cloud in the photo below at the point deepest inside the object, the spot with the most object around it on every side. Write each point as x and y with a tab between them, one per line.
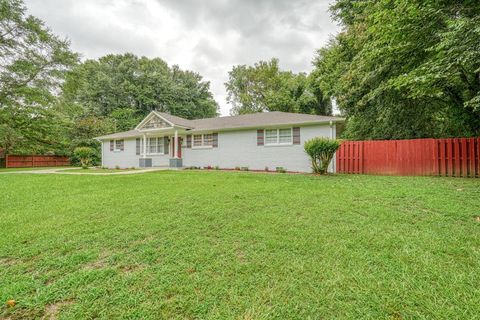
208	37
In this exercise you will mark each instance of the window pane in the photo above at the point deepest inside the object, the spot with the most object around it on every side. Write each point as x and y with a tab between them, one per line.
160	145
207	139
118	144
152	144
197	140
270	136
285	135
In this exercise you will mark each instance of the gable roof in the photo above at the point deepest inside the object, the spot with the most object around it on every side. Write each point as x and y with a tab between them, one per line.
252	120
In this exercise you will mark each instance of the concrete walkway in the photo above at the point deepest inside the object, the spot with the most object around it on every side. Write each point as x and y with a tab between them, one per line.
87	172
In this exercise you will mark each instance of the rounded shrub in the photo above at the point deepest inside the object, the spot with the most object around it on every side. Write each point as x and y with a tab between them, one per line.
321	152
85	154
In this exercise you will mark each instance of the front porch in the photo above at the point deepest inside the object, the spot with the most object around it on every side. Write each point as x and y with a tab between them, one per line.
161	143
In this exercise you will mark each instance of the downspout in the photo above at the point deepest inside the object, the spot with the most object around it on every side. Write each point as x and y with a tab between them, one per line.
332	136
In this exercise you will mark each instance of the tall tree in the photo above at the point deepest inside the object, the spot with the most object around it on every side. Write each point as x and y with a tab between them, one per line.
264	87
33	63
136	85
405	69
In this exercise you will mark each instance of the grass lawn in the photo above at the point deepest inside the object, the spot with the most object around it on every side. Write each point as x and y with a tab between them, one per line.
30	169
232	245
97	170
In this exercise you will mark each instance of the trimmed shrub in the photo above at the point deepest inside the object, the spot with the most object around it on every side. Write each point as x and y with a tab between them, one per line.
95	145
85	155
280	170
321	152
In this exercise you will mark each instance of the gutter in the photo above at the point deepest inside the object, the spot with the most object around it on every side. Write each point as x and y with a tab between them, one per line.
193	130
330	122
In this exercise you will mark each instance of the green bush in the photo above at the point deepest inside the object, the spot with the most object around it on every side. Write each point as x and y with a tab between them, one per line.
95	145
321	152
280	170
85	154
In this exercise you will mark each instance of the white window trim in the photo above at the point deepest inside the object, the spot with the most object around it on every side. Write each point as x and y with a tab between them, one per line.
202	146
115	145
155	153
278	143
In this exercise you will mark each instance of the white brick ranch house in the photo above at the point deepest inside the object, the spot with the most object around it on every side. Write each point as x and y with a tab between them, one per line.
257	141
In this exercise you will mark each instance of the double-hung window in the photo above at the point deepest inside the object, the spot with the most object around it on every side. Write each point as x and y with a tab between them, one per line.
203	140
197	140
208	139
155	145
278	136
118	145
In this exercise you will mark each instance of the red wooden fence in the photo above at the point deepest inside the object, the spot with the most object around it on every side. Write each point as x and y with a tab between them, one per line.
14	161
458	157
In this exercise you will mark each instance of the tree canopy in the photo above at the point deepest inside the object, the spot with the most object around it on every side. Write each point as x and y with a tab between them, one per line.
50	102
264	87
404	69
139	84
33	63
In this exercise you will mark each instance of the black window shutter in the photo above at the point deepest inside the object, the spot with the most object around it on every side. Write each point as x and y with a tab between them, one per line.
111	144
137	146
189	141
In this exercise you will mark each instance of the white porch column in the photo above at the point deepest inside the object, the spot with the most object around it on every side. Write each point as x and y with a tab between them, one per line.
175	150
144	146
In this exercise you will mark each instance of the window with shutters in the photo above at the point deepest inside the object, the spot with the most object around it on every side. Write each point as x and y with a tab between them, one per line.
155	145
277	137
118	145
202	140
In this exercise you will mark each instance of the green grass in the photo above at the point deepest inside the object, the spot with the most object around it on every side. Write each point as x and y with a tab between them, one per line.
97	170
30	169
232	245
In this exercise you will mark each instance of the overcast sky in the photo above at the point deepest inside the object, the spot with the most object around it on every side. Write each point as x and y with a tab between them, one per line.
208	36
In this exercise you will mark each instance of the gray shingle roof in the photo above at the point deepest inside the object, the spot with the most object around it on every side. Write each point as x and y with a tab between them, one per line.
274	118
124	134
176	120
253	120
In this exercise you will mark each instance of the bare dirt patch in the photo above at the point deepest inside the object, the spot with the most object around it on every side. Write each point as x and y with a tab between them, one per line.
6	262
132	268
52	310
100	263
